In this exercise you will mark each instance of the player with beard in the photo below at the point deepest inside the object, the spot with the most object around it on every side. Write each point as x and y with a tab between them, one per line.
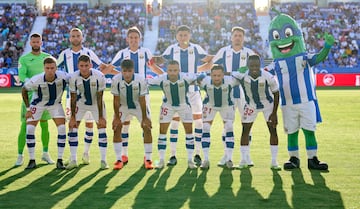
68	61
30	65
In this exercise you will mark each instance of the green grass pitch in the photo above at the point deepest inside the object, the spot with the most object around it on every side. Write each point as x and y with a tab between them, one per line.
178	187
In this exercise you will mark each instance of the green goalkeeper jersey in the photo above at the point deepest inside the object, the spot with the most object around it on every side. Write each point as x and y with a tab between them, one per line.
30	65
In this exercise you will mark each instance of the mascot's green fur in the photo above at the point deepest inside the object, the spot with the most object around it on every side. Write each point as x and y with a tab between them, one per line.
292	66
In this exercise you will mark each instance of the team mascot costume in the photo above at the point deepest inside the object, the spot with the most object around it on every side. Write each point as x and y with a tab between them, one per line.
292	66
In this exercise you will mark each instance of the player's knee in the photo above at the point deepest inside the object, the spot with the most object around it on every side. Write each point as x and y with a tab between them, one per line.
206	127
228	126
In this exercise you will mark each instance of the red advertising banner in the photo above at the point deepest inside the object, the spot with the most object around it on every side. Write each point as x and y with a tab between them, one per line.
337	79
5	80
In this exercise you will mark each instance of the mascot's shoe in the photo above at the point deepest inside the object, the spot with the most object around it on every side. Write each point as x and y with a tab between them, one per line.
315	164
46	157
293	163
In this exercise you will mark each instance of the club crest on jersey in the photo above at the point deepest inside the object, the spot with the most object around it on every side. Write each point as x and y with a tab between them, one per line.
225	89
243	57
135	88
93	83
181	84
191	51
303	64
141	56
262	85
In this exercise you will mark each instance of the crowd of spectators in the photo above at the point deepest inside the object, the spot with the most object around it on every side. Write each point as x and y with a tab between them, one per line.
104	28
16	21
211	25
342	20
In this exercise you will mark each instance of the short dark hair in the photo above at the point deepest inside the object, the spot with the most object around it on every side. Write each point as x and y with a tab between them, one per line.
237	28
84	58
35	35
254	57
127	64
49	60
173	62
217	67
133	30
183	28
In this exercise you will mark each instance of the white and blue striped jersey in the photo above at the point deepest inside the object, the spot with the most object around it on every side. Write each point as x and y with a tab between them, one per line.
189	59
129	92
68	59
47	93
140	57
259	91
232	60
219	96
87	88
296	78
174	92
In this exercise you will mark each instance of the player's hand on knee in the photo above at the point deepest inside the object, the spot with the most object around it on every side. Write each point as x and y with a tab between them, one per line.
29	115
273	120
101	123
116	124
72	123
146	124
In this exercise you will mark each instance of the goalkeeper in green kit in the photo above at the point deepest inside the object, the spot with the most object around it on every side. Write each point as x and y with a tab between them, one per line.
31	64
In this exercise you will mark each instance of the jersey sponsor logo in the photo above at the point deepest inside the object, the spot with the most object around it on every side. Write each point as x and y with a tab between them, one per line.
329	79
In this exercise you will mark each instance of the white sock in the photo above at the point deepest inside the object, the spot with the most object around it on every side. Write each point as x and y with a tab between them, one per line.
61	140
89	133
148	151
198	135
117	149
274	152
30	140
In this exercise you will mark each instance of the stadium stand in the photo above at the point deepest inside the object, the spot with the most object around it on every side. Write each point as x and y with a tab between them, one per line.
211	27
16	22
104	29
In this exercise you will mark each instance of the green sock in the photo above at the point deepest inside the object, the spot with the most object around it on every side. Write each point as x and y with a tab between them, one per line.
45	135
22	137
310	139
293	142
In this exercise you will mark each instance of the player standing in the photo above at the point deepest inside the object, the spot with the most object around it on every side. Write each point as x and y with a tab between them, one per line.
129	92
189	57
233	58
30	65
86	89
47	88
218	99
175	86
261	92
142	58
68	60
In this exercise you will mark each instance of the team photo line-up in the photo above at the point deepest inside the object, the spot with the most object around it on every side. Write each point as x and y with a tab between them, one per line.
231	79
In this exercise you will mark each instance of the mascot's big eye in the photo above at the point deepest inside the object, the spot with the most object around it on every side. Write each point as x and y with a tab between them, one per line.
276	35
288	32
